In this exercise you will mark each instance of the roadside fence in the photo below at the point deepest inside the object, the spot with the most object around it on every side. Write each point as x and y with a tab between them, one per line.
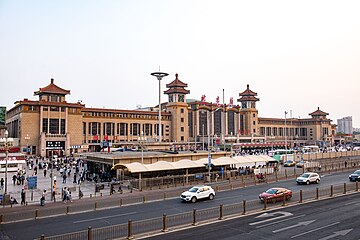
167	223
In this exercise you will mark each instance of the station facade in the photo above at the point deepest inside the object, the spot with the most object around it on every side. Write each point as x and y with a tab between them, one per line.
52	126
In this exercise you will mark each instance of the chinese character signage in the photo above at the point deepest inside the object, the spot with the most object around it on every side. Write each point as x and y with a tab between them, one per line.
55	145
203	98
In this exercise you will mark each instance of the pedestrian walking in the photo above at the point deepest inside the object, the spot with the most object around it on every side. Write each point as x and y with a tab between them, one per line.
64	178
23	197
2	183
14	179
45	172
42	199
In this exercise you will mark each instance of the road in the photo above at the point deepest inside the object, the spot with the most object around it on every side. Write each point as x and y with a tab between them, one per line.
101	218
321	220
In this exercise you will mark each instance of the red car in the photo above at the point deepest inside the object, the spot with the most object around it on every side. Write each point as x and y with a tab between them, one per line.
275	194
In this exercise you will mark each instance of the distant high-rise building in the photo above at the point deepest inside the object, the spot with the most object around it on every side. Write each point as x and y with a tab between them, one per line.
344	125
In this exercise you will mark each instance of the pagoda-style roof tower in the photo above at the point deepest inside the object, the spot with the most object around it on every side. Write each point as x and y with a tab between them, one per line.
248	95
179	110
318	113
52	89
177	86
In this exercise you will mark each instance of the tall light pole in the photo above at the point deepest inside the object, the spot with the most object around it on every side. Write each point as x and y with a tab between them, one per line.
203	133
159	76
6	159
209	154
285	132
142	141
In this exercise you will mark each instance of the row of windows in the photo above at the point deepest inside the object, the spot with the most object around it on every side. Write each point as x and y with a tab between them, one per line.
124	115
53	125
123	129
274	131
54	109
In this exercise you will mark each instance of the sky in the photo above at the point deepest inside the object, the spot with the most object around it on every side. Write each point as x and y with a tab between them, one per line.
297	55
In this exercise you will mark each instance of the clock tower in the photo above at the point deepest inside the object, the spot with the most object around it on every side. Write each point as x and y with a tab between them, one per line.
248	112
179	110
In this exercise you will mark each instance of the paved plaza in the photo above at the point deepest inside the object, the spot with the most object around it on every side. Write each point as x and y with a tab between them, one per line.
44	183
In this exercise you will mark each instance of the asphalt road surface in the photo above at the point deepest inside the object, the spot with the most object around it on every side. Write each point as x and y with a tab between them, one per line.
321	220
102	218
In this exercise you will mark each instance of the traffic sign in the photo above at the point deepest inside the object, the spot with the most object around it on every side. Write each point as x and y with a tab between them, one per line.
32	182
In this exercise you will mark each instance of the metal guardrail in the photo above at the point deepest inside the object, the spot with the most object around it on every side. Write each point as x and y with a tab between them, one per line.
195	217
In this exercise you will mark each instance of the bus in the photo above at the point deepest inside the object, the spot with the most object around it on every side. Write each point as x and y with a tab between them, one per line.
282	155
16	161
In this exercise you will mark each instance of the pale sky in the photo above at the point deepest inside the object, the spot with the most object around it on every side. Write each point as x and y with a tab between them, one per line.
297	55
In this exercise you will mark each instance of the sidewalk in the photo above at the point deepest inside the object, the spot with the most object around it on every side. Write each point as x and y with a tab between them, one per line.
44	183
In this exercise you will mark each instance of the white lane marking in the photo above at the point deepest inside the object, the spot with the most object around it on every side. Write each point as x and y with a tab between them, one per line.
351	203
272	223
283	214
294	226
316	229
100	218
336	234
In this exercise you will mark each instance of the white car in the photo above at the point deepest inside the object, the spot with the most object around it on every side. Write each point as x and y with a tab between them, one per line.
308	177
198	192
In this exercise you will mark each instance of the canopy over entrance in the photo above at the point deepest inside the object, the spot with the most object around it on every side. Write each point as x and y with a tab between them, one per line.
187	164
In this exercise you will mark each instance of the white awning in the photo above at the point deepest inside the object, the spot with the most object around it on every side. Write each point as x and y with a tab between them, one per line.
186	163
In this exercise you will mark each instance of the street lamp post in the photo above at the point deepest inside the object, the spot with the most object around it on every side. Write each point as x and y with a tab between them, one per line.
159	76
209	153
203	140
6	159
285	132
142	139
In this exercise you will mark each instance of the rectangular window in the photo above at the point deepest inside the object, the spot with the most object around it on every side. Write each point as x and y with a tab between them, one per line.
203	123
108	129
231	122
94	128
54	98
182	129
62	127
190	124
45	122
54	126
147	129
262	131
122	129
84	128
182	120
181	110
54	109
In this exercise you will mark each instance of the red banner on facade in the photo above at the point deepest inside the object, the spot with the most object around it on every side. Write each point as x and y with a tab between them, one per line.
106	137
95	137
